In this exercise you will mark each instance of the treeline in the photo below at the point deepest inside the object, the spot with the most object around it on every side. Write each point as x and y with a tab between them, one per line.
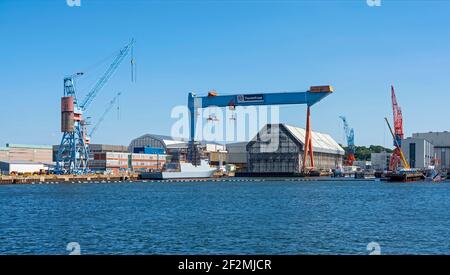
363	152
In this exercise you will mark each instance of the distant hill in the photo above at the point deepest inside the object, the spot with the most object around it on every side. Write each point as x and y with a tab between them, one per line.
363	152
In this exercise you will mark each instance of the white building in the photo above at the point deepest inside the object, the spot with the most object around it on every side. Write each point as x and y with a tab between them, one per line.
363	164
441	144
419	152
18	167
380	161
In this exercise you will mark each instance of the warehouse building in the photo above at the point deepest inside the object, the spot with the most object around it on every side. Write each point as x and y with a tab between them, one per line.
177	148
153	141
26	153
21	167
109	162
4	154
105	148
97	148
419	152
115	159
174	148
237	155
363	164
115	163
279	148
441	147
147	162
380	161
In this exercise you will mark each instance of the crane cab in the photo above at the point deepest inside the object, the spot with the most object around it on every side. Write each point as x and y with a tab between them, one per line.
212	93
321	89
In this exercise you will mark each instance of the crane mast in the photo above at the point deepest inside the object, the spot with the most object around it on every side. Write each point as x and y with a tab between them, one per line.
73	152
398	118
397	134
107	75
350	137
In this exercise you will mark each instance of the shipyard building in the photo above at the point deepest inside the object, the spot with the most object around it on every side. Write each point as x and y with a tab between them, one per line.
26	153
440	142
237	155
380	161
115	159
279	149
22	167
25	159
419	152
174	148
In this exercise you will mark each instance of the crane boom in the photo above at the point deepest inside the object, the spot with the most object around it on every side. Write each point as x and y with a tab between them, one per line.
106	76
397	133
349	132
398	118
350	137
397	146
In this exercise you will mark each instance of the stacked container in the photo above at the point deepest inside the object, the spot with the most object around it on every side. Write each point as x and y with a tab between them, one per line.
147	162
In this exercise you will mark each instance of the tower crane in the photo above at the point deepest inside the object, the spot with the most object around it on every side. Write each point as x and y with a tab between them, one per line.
310	97
350	136
73	152
398	135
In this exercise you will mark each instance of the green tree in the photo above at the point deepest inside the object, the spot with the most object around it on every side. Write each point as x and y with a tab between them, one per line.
363	152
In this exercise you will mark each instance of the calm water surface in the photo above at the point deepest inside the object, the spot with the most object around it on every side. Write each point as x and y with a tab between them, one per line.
265	217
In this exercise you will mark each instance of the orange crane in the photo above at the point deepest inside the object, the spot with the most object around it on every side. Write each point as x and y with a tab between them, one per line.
397	149
397	156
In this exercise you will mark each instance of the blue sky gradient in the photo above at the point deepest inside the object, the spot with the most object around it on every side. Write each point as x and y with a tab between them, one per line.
230	46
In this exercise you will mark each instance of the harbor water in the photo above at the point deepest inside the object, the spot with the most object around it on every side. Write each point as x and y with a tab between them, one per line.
230	217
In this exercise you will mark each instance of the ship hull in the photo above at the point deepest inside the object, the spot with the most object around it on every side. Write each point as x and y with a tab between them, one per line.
188	171
405	177
177	175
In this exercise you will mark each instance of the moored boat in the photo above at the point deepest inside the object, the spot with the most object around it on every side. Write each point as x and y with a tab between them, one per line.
405	175
182	170
434	176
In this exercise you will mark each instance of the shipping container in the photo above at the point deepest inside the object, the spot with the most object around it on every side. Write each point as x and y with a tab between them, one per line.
148	157
218	156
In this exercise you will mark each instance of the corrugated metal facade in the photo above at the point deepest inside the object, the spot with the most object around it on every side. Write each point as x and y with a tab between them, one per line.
24	152
147	162
97	148
278	148
441	143
119	162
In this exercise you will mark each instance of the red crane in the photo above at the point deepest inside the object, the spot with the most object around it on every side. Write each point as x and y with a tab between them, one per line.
396	157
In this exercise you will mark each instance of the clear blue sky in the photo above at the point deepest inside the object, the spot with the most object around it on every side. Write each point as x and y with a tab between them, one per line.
230	46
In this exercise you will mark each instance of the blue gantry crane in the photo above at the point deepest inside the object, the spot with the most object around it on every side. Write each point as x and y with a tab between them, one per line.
73	152
350	137
310	97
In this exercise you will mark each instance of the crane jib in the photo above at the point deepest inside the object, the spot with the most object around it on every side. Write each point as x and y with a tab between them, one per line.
106	76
